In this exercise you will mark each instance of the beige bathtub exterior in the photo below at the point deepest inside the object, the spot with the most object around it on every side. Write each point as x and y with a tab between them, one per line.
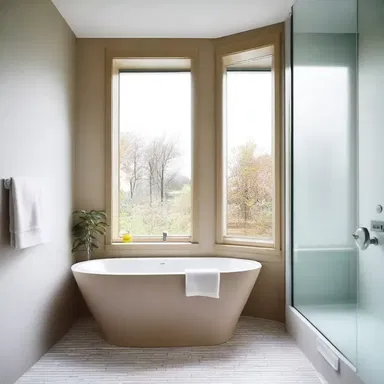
153	311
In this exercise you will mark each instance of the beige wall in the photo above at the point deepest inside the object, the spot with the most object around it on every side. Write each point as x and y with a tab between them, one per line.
90	181
267	299
37	93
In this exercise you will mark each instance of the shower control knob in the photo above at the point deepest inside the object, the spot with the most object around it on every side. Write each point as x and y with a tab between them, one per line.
363	239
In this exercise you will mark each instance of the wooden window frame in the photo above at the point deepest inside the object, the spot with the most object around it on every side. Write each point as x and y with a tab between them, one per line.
230	50
161	59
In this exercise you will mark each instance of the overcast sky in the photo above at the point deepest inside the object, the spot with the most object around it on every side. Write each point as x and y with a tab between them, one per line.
156	104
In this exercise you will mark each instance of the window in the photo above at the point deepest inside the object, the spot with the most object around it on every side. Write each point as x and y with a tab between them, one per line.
153	147
193	146
249	166
249	154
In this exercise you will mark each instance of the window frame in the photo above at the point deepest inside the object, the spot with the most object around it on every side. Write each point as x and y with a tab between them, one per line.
158	60
231	50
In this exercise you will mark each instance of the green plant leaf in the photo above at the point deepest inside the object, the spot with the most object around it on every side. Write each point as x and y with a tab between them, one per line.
86	227
76	243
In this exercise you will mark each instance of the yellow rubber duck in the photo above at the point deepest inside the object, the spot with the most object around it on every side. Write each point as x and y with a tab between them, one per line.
127	237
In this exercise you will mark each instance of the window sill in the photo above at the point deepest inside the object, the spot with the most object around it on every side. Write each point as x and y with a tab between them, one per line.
249	252
152	249
227	240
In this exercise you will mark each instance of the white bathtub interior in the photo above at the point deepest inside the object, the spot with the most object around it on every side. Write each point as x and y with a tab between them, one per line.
163	266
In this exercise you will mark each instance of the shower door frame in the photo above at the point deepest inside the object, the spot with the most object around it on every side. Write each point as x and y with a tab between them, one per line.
304	333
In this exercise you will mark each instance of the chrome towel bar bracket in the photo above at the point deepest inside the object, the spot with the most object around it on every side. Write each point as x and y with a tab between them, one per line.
7	183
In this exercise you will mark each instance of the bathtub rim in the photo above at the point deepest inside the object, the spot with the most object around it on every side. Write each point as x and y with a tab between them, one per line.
75	267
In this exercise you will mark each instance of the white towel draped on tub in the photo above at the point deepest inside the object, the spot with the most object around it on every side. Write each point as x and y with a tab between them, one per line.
25	211
202	282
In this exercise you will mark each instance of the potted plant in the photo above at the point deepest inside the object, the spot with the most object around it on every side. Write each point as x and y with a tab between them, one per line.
87	226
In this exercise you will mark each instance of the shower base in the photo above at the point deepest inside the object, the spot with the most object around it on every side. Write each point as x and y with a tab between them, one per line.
338	323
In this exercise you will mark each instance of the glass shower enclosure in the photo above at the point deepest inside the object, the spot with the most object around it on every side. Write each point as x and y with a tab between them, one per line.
337	181
325	168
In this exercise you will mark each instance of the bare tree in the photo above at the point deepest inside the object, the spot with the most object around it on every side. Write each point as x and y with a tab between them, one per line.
160	154
157	176
131	160
152	161
167	151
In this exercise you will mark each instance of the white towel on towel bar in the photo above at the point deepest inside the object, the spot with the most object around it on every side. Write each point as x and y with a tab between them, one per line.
25	211
202	282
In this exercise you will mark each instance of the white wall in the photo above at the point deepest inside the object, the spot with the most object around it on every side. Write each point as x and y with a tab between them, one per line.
37	83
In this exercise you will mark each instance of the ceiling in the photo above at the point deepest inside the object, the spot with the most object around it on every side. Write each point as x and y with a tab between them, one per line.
170	18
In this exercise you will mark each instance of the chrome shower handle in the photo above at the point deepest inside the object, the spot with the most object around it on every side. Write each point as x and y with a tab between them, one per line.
363	239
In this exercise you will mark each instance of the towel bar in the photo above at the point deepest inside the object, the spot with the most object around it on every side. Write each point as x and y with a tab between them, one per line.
7	183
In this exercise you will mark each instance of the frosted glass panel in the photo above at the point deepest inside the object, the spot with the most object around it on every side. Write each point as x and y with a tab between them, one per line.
324	128
370	357
325	168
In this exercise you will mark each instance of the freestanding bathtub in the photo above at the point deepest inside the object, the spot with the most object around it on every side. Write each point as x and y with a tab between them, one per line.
141	302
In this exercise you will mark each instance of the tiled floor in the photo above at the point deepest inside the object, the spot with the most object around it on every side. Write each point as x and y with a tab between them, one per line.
259	353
